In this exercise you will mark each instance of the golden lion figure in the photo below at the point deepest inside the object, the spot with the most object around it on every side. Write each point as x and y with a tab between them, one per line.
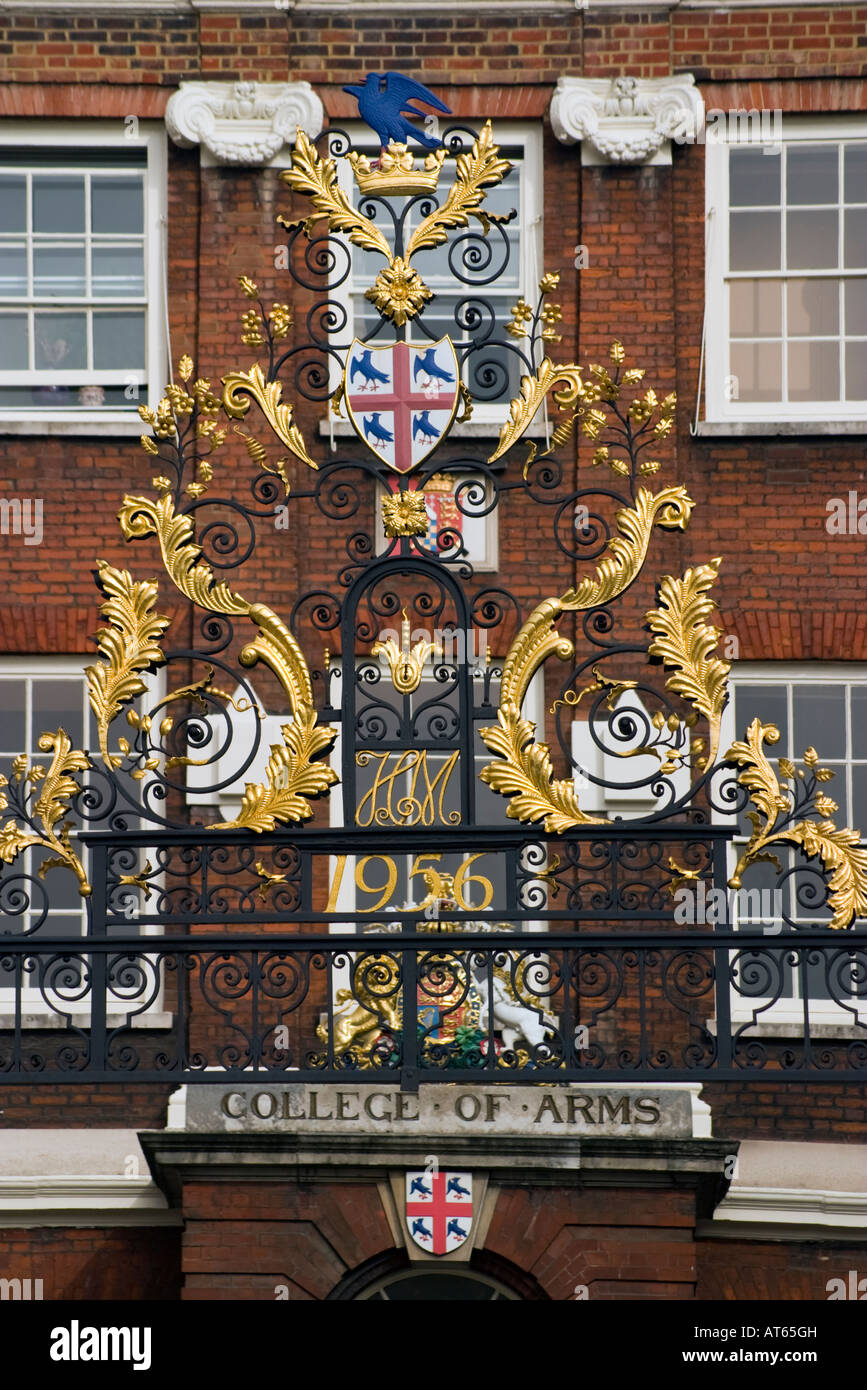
360	1016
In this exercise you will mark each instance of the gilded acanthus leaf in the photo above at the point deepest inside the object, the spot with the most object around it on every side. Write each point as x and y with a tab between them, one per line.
841	853
274	644
685	641
534	389
758	776
141	516
292	776
239	386
538	639
526	776
839	850
51	809
317	179
128	646
480	169
626	552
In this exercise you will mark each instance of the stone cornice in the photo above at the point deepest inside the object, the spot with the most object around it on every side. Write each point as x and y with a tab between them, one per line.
242	122
626	120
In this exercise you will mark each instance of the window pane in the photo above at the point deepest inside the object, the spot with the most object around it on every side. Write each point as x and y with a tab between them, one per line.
61	341
856	307
858	815
855	238
754	241
13	271
855	173
811	173
57	704
768	702
756	308
118	271
814	371
856	371
62	887
13	203
13	342
859	721
116	204
811	240
813	306
118	341
758	368
12	728
820	721
59	270
58	203
754	178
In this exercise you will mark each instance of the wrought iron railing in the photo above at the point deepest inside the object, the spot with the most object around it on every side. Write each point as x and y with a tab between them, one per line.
574	971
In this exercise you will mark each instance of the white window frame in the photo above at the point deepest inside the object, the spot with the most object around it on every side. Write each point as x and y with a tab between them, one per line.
79	136
507	134
785	1017
796	130
35	1013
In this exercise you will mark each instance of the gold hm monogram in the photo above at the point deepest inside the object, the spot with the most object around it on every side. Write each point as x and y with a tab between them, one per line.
405	793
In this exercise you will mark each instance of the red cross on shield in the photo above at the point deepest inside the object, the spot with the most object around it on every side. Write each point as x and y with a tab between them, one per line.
402	398
439	1210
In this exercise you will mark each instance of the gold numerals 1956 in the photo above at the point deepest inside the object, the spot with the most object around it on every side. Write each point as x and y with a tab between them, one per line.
433	880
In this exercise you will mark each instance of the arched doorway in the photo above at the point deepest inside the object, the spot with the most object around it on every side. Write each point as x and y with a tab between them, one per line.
391	1277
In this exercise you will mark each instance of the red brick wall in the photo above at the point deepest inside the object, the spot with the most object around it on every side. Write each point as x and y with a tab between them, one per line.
88	1264
745	1269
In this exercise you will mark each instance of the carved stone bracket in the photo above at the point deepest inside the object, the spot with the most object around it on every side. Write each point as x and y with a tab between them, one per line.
627	120
242	122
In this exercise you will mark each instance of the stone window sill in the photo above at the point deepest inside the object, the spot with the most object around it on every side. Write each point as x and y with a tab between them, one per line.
744	429
95	425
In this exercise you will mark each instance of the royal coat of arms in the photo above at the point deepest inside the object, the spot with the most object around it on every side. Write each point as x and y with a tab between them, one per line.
439	1210
402	399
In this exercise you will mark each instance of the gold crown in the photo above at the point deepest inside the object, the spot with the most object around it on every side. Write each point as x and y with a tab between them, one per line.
396	172
438	482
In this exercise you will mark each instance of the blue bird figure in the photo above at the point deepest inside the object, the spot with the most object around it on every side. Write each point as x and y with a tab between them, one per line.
454	1185
384	103
418	1185
420	1229
454	1228
427	362
373	427
371	374
421	425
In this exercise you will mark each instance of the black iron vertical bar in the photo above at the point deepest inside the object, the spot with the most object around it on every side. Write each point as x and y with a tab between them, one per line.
409	1078
722	987
99	959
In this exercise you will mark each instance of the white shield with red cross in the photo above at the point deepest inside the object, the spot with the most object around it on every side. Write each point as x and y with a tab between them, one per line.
402	398
439	1210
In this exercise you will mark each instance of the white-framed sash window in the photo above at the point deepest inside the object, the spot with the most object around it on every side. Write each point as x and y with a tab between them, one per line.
786	325
820	705
82	294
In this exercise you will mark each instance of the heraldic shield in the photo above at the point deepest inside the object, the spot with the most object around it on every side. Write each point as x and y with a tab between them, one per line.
439	1209
402	399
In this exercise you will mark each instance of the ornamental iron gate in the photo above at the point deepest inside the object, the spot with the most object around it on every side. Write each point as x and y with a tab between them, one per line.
393	877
